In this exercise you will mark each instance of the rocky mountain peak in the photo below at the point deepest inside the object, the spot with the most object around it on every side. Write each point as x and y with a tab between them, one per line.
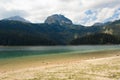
58	19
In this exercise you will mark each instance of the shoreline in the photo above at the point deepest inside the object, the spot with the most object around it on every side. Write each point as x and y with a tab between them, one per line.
101	65
94	69
39	60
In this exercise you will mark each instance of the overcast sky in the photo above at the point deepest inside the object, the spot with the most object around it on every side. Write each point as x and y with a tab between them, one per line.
85	12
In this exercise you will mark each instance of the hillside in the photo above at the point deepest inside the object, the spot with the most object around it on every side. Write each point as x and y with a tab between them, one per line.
100	38
19	33
57	30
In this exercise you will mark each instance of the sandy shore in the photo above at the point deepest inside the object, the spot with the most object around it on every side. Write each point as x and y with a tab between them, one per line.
104	65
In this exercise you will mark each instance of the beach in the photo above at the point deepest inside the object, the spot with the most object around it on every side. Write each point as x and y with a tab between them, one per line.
101	65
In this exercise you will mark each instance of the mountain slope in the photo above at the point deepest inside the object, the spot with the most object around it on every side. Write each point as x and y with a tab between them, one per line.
19	33
17	18
60	31
100	38
113	28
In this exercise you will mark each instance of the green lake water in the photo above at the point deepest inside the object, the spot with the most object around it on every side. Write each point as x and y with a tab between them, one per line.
11	52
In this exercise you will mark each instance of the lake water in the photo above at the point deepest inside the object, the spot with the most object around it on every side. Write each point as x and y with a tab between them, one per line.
10	52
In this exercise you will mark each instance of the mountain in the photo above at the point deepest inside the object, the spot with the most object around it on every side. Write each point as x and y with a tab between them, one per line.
112	28
57	30
20	33
17	18
60	35
58	19
100	33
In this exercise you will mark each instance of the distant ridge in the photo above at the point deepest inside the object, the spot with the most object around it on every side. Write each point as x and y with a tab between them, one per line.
98	24
17	18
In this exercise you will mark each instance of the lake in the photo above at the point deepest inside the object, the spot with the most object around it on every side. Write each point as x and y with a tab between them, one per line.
20	51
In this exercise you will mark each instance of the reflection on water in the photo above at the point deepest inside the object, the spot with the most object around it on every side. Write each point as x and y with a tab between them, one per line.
9	52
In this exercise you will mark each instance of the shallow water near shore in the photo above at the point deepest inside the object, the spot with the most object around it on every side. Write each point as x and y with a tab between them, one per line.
22	51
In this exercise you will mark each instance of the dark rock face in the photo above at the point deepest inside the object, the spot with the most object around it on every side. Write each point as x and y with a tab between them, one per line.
58	19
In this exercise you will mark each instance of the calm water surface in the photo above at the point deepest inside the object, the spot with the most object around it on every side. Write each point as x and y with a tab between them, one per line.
10	52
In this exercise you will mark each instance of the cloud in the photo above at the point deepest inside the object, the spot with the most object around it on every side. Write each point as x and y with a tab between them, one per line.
9	13
115	16
85	12
88	12
105	13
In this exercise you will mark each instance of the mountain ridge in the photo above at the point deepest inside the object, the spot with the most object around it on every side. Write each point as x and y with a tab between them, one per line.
17	18
57	18
55	33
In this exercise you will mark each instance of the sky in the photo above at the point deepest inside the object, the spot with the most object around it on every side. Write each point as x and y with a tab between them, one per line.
84	12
